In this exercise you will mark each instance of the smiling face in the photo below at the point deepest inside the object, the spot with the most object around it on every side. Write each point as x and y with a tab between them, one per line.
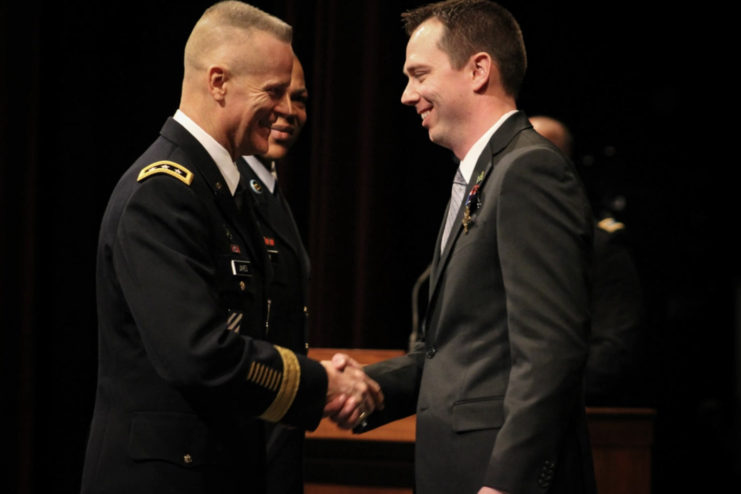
287	127
439	93
256	93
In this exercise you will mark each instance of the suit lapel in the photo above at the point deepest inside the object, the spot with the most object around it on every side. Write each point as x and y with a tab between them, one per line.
501	138
244	221
436	255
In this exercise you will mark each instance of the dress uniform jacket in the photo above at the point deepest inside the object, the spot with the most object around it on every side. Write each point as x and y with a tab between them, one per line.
497	380
613	375
288	318
185	374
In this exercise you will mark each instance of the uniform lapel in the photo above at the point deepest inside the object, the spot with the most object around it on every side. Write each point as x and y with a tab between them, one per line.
302	254
244	221
275	212
269	210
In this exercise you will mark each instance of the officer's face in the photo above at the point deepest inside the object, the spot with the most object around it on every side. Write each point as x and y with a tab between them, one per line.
258	93
286	129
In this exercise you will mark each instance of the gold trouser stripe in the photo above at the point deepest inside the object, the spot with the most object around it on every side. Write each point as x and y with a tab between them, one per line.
288	387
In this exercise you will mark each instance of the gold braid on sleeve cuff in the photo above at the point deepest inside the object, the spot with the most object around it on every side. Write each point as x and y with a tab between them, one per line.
288	387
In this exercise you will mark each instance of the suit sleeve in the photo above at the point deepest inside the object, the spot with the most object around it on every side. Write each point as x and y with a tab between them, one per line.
544	235
399	379
165	265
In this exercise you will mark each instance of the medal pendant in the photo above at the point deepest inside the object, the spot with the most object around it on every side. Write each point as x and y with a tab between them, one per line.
466	219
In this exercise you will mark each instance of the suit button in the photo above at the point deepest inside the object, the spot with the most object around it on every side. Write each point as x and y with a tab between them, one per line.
242	286
431	352
188	459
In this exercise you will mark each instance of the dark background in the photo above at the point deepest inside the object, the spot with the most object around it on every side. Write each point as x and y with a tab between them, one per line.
86	86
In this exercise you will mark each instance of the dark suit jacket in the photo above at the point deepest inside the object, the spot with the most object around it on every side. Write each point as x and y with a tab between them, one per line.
183	368
497	380
288	319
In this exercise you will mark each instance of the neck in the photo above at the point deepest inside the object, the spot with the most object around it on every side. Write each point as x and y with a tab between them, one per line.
483	116
266	162
205	120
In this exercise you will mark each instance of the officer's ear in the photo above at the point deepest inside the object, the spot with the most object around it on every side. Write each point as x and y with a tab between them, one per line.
217	78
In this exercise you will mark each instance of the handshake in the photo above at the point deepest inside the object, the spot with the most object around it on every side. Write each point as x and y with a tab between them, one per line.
351	395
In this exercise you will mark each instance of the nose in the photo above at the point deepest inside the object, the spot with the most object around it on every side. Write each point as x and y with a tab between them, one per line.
409	96
285	108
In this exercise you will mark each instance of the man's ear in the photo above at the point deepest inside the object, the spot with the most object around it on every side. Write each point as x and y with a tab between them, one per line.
483	71
217	77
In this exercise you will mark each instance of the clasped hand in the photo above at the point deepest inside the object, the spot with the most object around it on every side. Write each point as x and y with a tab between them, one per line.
351	395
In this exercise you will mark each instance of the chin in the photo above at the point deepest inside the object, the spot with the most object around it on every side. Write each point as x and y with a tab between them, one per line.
276	151
259	147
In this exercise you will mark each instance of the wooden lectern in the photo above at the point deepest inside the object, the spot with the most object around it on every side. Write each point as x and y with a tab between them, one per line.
382	461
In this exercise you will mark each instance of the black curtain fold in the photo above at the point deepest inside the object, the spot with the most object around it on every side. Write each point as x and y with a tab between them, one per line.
19	207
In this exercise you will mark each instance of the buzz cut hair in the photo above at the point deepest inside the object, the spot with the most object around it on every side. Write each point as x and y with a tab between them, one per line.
219	23
474	26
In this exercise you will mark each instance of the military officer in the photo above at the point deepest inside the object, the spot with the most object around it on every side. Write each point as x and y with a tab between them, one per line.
290	263
186	376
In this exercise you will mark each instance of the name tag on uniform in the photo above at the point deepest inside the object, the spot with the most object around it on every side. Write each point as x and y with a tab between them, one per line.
274	257
241	268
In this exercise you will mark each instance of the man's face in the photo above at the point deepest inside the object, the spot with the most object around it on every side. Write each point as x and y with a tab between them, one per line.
287	127
258	94
436	90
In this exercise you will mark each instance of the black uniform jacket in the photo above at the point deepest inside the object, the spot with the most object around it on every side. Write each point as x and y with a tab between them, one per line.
497	381
184	368
614	375
288	318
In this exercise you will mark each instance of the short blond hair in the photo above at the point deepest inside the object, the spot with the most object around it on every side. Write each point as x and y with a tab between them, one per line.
221	22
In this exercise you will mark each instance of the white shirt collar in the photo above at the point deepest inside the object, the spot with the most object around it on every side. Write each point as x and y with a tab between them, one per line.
469	162
262	173
217	152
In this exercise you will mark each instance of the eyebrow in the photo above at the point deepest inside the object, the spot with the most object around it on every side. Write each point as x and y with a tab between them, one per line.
412	68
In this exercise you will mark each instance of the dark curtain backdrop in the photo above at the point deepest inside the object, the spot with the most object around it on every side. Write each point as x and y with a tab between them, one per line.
19	206
86	86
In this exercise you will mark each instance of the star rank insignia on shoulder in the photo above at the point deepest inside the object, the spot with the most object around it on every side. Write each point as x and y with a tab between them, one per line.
169	168
610	225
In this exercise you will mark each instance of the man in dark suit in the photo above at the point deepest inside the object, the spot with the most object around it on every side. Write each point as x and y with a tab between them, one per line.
497	380
290	262
186	374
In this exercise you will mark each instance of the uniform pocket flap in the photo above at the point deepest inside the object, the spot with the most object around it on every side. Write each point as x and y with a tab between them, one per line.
479	414
178	438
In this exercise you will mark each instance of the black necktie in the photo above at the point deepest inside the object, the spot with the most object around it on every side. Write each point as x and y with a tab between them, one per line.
239	194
